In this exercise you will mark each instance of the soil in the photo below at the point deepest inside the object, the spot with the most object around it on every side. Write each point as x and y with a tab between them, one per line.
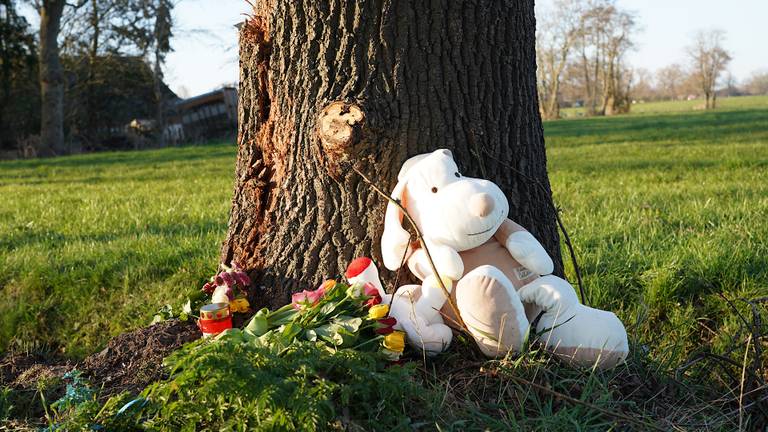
133	360
128	363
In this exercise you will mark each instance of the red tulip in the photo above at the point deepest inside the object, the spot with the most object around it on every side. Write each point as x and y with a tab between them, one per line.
384	330
388	321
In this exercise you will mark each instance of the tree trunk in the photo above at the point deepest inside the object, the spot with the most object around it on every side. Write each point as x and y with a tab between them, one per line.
414	77
51	78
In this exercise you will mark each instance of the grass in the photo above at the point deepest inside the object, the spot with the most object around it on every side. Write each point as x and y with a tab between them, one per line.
91	245
666	208
687	106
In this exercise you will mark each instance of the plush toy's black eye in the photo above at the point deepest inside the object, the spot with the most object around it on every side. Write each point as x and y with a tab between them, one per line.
434	190
457	174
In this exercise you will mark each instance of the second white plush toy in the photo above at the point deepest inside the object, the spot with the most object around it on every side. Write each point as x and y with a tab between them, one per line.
497	272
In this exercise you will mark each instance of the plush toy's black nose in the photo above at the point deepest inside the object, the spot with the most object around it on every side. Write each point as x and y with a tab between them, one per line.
481	204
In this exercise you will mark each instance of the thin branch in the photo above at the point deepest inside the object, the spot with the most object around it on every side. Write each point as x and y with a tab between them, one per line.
567	238
423	245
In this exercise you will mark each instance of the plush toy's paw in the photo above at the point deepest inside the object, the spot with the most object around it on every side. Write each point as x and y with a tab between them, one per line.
492	311
524	247
602	341
431	336
576	333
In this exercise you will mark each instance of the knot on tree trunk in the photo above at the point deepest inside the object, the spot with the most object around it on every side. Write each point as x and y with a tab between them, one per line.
339	128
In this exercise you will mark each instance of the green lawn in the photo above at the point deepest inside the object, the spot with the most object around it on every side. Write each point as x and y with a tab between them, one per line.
666	208
93	245
662	107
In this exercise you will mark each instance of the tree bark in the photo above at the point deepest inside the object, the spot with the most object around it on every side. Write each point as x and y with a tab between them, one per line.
51	78
372	82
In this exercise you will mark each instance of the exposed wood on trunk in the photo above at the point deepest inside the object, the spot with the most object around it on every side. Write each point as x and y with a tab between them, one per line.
423	76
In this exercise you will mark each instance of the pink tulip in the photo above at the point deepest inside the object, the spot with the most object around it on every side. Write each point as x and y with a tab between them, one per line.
306	297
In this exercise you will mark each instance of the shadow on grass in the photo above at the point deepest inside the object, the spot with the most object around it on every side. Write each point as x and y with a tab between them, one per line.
22	237
128	158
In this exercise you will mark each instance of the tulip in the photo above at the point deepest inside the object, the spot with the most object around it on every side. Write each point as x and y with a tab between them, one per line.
388	321
299	298
307	298
384	330
373	301
370	290
378	311
395	341
327	285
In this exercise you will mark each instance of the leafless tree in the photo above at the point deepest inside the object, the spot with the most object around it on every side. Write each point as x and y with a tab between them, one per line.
556	35
757	83
643	86
617	28
708	60
603	39
670	81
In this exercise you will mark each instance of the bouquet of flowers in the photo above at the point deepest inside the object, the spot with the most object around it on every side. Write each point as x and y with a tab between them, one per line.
335	314
229	286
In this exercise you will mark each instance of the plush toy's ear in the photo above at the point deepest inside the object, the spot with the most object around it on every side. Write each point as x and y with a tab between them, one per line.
395	240
407	165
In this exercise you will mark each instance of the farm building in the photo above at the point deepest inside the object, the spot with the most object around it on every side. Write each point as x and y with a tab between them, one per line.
209	115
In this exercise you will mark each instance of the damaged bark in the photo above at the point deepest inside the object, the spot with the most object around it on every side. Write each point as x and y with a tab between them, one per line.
324	85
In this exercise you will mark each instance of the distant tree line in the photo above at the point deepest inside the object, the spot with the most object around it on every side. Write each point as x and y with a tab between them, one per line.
91	67
581	48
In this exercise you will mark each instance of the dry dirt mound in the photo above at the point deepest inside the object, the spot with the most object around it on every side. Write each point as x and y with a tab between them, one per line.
133	360
129	362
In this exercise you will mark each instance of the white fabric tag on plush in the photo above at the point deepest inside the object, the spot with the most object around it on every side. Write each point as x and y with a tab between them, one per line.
523	273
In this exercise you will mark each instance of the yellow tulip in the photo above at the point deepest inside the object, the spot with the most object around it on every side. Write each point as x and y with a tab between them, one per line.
239	305
395	341
378	311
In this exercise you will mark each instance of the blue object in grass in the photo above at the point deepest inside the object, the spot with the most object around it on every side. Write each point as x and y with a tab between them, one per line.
130	404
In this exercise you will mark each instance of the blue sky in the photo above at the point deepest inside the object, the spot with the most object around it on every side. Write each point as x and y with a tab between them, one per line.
205	55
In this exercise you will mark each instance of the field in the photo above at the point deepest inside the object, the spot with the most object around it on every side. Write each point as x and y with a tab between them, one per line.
666	208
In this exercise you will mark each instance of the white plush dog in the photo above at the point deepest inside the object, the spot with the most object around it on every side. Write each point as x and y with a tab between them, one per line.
502	274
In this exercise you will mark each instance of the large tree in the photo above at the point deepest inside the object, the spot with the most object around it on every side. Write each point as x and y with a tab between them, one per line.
367	83
51	77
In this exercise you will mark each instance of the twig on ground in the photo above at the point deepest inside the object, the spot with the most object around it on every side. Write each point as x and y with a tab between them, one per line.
741	391
571	399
